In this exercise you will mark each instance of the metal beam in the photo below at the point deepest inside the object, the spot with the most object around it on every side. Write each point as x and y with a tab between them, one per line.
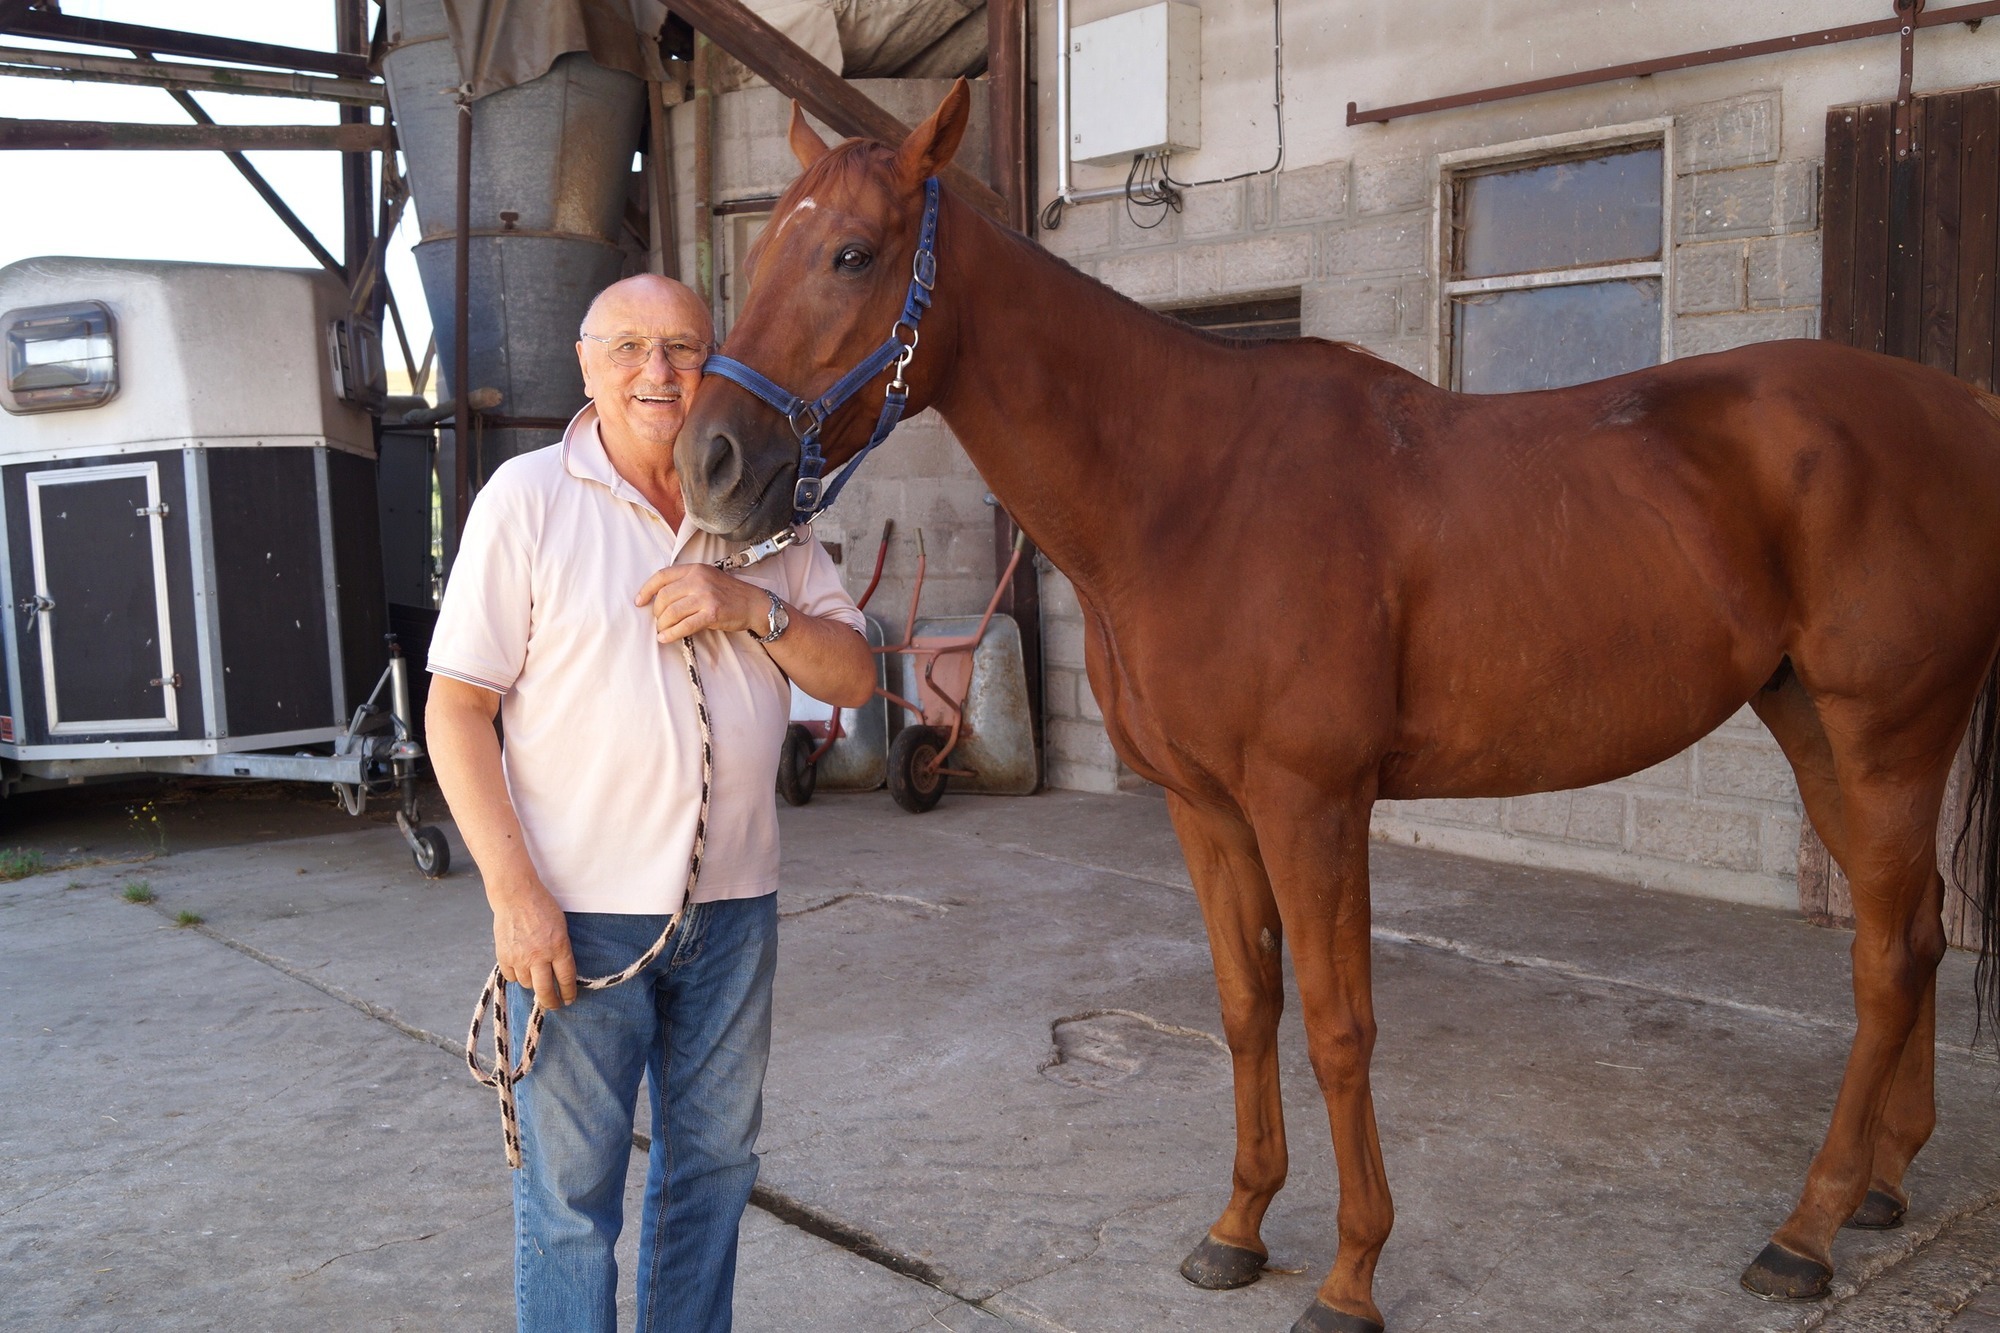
23	62
1889	27
74	134
1007	124
774	57
357	183
264	190
124	36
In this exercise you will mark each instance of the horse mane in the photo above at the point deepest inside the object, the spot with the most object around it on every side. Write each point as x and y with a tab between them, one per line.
856	163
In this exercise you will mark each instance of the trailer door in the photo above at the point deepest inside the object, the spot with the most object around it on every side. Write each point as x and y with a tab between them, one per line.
100	600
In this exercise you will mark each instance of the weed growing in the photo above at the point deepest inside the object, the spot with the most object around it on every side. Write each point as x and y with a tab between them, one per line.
139	891
20	862
187	918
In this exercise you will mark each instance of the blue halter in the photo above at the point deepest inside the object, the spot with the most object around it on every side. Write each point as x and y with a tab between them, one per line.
813	494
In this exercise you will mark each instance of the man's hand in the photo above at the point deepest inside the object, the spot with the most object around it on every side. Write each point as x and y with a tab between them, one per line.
531	944
689	598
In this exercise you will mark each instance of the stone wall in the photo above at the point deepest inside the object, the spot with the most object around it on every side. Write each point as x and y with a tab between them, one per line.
1355	239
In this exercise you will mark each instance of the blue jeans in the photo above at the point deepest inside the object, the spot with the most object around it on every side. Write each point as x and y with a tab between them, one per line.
697	1023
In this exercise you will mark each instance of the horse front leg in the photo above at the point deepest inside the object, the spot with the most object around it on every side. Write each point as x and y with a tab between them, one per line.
1244	937
1317	858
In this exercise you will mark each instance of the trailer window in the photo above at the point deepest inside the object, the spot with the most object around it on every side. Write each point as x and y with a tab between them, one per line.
1556	268
59	356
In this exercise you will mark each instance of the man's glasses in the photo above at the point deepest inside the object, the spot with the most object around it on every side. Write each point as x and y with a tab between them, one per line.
629	349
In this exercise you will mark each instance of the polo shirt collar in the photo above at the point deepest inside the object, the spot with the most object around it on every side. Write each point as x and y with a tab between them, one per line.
584	457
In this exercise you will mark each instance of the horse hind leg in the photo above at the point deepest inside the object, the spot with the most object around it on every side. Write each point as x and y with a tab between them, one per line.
1883	829
1907	1120
1244	935
1910	1115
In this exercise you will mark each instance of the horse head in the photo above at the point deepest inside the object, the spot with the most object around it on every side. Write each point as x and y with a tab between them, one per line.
828	284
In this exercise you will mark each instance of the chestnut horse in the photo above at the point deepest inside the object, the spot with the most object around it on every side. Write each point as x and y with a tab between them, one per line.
1314	580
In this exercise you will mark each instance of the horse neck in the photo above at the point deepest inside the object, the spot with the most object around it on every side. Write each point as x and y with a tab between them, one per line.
1078	407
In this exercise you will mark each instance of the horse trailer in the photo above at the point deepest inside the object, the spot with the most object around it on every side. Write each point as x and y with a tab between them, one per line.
193	571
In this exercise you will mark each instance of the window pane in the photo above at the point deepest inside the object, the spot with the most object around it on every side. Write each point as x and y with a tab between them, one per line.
1547	337
57	357
1591	210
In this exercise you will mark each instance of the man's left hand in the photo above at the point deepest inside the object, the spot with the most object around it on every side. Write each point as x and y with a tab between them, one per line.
689	598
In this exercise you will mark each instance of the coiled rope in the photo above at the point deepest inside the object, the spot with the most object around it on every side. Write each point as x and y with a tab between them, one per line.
494	996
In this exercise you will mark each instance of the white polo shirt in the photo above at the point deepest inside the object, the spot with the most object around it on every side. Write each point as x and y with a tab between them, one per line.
602	749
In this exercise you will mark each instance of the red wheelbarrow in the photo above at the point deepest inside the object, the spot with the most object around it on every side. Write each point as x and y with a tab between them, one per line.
942	667
939	674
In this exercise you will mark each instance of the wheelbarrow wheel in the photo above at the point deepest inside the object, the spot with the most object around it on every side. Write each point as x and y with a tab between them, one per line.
913	777
797	774
432	853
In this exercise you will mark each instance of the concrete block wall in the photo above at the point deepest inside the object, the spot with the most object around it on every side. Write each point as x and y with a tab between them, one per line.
1355	240
921	480
1076	753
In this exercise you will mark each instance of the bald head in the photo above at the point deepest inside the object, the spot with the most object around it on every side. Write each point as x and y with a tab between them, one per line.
635	304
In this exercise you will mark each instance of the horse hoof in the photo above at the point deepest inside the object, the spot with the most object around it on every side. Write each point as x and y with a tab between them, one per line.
1880	1211
1216	1266
1779	1275
1323	1318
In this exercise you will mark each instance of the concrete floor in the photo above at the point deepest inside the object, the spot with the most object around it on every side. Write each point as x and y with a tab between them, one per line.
995	1101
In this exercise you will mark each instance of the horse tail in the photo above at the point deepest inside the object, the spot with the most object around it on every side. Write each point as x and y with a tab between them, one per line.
1976	854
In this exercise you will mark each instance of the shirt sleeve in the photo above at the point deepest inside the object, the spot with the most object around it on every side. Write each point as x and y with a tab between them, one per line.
482	629
816	588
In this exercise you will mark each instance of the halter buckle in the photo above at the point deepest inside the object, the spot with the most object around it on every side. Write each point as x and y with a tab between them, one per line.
812	420
923	270
805	495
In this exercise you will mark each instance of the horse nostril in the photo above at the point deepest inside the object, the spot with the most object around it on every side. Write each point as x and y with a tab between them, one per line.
725	464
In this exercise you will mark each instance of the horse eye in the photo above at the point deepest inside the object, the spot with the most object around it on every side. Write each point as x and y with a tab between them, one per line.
853	259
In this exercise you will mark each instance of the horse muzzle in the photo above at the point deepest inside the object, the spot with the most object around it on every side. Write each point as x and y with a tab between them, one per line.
735	484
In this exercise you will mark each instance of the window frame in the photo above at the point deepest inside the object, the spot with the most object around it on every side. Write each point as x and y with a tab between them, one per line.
1451	167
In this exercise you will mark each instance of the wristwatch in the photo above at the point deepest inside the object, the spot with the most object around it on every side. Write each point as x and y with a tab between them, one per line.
781	620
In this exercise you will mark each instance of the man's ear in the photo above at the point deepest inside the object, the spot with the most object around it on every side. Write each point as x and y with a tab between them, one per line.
931	145
807	146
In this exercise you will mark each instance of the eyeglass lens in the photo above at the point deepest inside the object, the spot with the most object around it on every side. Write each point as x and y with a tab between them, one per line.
636	351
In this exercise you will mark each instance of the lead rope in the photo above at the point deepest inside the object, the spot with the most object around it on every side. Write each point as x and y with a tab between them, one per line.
494	996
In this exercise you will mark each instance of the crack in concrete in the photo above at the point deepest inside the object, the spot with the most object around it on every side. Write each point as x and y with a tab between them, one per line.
366	1249
899	899
380	1013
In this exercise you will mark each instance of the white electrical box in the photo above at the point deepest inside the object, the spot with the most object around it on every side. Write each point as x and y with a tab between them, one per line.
1135	84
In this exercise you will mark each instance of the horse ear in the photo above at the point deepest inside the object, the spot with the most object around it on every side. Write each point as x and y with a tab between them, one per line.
807	146
931	144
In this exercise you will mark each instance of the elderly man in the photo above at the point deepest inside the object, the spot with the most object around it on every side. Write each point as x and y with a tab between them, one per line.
577	576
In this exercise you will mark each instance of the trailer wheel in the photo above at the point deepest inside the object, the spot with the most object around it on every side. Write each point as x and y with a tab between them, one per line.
913	777
797	774
432	853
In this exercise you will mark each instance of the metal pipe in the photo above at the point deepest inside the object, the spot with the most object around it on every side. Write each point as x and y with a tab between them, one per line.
1638	69
1062	106
704	172
660	158
461	422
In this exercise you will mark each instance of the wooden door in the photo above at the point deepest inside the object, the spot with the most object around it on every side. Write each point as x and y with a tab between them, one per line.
1911	250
